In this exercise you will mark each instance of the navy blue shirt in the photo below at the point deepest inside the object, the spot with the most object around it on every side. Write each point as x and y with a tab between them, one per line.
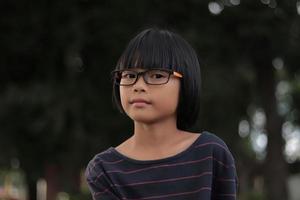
204	171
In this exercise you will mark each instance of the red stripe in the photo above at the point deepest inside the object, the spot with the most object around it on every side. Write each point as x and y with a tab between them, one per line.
225	165
164	180
160	166
153	167
165	165
112	162
99	193
215	143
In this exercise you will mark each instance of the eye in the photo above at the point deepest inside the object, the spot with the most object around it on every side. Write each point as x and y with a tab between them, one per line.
128	75
156	74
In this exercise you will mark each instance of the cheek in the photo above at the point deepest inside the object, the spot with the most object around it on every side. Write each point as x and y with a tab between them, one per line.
170	97
123	97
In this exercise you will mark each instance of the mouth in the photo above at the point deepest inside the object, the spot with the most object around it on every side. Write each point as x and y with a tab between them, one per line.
139	101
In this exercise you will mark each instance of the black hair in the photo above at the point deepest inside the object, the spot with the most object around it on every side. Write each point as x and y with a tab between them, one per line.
158	48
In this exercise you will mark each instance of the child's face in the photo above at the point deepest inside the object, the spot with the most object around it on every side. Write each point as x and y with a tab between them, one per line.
161	100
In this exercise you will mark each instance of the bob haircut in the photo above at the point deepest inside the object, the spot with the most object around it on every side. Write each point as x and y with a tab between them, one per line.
158	48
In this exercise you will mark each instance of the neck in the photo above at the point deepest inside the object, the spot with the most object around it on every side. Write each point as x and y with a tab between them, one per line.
149	136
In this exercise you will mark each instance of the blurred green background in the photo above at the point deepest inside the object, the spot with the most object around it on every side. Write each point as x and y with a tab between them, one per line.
56	111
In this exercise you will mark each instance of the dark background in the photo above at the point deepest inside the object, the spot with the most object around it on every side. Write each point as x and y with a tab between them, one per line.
55	89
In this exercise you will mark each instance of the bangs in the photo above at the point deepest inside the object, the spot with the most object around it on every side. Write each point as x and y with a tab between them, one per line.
151	49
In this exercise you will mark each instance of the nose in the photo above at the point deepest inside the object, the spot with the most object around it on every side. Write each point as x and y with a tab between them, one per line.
140	84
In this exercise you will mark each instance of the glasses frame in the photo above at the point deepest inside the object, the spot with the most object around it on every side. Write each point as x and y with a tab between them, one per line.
116	73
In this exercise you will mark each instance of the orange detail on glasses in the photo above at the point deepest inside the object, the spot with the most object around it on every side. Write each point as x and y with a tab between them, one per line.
177	74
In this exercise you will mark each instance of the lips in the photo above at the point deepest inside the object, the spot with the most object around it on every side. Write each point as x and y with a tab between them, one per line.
139	101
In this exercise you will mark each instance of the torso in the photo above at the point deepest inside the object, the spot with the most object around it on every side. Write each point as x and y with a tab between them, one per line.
186	140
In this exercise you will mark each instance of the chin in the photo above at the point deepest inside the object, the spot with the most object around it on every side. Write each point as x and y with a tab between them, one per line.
144	119
148	119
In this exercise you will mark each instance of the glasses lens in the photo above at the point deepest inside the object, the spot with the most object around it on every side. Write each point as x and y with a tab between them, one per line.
157	77
127	77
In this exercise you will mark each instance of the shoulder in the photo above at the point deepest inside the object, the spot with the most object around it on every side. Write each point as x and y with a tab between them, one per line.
218	147
213	138
94	168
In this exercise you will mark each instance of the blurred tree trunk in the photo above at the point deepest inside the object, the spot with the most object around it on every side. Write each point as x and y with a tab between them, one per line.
52	178
276	169
31	189
31	183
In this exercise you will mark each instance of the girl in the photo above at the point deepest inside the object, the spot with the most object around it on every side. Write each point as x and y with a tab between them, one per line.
157	84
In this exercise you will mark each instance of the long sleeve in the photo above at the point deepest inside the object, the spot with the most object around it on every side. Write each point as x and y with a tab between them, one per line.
225	177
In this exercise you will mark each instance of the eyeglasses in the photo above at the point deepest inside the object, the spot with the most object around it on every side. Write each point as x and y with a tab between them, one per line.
152	76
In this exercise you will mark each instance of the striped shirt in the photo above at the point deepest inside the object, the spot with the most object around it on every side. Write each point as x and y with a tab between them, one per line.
205	170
